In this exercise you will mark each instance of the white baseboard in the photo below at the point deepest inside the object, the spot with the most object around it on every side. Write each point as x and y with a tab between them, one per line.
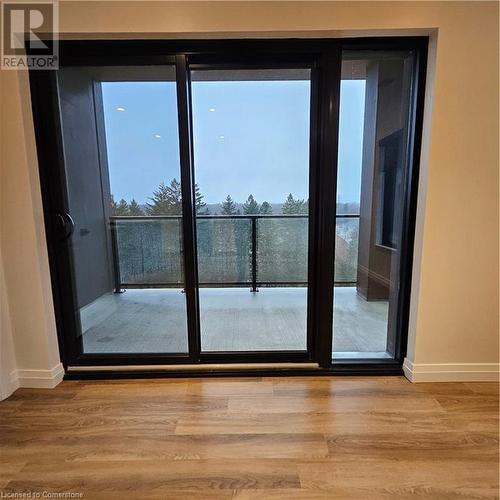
8	385
40	379
451	372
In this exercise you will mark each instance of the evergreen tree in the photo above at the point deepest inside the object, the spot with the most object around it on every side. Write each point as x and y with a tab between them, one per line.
121	208
289	206
250	206
134	208
200	205
294	206
305	207
228	207
266	208
166	200
113	204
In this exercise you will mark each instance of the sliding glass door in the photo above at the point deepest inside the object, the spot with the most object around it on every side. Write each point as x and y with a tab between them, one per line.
124	218
231	201
372	175
248	190
251	130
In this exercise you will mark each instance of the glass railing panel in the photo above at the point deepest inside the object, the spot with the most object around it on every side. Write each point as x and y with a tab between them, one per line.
282	244
346	250
224	250
149	251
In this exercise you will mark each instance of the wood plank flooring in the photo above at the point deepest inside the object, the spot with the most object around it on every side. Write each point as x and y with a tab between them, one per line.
253	438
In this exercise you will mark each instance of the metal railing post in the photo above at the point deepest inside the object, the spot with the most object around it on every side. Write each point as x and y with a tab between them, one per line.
116	259
254	254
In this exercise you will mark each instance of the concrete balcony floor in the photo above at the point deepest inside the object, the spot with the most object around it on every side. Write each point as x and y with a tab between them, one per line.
232	319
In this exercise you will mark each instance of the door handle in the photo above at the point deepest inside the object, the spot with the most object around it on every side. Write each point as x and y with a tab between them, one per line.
67	224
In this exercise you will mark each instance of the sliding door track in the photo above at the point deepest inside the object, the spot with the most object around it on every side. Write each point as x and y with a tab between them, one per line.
379	367
208	367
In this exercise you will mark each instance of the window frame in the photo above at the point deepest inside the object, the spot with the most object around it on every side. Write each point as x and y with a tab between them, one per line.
324	57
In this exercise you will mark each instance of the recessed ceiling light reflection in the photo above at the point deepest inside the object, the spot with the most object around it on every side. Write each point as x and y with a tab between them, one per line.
157	136
119	108
221	137
212	110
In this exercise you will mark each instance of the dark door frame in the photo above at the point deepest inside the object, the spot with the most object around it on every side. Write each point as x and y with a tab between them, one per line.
325	58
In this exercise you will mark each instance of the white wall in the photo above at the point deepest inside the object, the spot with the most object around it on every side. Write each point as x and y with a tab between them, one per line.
454	317
8	378
8	382
29	315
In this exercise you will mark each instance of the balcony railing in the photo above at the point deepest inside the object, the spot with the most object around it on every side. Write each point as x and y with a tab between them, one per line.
233	250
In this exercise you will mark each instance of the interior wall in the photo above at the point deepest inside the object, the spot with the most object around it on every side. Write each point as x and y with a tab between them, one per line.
8	367
24	254
454	315
7	355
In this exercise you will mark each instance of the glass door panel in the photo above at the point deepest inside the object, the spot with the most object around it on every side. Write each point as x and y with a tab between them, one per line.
251	167
372	168
121	141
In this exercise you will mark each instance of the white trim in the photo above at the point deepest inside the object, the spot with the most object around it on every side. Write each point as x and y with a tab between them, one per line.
7	387
451	372
40	379
13	381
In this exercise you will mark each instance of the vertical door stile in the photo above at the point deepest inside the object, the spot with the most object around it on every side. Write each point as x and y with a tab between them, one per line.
312	340
329	75
188	210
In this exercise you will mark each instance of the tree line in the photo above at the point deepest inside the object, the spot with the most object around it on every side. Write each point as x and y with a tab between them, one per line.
167	200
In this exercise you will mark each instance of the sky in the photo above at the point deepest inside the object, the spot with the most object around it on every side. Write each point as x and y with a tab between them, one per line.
250	137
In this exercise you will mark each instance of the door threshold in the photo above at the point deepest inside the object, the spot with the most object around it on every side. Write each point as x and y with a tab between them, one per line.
207	367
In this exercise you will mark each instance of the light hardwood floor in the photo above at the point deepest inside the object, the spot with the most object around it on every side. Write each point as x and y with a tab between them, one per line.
253	438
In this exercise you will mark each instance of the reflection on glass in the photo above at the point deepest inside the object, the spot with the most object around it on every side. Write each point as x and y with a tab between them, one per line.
374	106
251	148
132	198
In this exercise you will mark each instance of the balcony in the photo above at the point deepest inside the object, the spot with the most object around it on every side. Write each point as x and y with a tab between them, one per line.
236	254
